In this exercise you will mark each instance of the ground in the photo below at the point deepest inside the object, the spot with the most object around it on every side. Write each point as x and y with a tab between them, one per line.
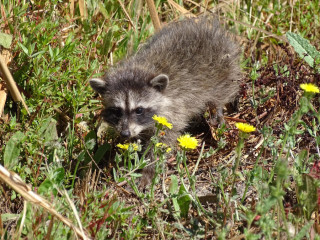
234	185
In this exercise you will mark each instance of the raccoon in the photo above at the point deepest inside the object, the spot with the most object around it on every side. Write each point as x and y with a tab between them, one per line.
184	68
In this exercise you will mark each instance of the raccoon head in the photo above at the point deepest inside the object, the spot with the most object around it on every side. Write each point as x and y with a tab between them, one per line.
131	103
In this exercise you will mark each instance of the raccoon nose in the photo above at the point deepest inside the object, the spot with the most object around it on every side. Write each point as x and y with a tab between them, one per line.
125	133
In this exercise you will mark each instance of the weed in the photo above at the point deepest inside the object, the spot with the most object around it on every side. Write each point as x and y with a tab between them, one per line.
259	185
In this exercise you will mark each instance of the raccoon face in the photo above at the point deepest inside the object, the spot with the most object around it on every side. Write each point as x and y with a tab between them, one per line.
130	105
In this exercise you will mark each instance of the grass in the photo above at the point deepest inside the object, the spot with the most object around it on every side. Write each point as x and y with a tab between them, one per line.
235	185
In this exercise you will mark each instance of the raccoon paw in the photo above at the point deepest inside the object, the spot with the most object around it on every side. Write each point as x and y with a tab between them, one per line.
218	119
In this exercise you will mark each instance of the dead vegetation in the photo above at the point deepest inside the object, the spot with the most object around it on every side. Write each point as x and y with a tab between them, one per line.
269	99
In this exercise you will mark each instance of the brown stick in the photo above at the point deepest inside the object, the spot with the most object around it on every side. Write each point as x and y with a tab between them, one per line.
10	84
3	97
71	8
83	9
16	183
154	15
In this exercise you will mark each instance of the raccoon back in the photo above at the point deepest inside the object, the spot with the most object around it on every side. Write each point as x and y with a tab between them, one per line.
200	58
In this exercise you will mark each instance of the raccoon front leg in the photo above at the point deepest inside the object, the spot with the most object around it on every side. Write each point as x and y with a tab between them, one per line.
218	118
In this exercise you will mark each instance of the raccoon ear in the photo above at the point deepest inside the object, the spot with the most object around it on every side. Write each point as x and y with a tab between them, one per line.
98	85
160	82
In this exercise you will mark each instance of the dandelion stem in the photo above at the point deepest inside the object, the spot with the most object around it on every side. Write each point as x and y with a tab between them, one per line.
236	165
198	161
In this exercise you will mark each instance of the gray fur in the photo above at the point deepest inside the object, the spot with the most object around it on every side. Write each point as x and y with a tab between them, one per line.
182	69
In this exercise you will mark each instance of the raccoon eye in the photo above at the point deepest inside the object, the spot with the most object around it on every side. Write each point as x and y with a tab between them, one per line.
115	111
139	110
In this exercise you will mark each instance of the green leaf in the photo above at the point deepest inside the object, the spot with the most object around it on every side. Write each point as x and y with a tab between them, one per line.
45	186
143	165
304	104
13	195
176	206
48	130
50	52
58	175
298	131
184	201
9	217
51	132
31	48
103	10
25	49
173	188
304	231
107	42
309	188
115	175
122	179
12	150
44	125
5	40
264	206
90	140
37	53
303	47
101	152
301	160
135	175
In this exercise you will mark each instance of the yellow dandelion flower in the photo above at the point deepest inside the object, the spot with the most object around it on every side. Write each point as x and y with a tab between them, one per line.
159	145
244	127
309	87
126	146
163	146
187	142
162	120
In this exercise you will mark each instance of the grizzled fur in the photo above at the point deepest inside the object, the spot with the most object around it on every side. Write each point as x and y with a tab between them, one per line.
182	69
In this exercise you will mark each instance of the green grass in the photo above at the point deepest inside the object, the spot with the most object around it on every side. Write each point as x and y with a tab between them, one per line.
254	185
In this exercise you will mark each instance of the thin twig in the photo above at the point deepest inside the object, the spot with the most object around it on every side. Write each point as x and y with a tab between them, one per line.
127	14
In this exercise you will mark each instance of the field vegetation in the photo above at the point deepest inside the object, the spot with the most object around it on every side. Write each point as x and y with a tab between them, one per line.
233	183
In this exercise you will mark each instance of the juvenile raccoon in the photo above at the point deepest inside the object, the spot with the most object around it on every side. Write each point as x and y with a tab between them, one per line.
182	69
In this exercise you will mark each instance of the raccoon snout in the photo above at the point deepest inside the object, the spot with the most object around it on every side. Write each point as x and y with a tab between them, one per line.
125	133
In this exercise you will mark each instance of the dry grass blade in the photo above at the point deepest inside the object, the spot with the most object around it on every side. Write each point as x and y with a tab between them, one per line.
71	8
3	97
83	9
10	83
269	34
126	13
24	213
73	207
3	13
15	182
181	9
154	15
50	228
188	14
1	228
